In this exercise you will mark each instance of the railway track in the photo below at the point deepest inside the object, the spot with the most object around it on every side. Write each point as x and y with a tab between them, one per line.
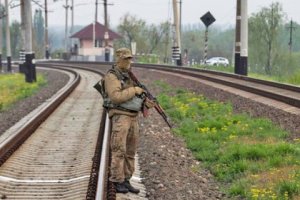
40	170
274	91
285	93
50	156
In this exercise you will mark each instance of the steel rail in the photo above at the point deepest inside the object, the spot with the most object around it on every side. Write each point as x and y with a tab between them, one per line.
197	73
190	70
101	194
99	187
256	90
208	75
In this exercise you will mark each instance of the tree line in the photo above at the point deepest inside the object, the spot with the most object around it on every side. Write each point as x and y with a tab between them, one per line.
271	50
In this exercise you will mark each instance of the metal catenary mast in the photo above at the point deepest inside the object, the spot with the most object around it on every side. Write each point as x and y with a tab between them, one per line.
176	51
241	38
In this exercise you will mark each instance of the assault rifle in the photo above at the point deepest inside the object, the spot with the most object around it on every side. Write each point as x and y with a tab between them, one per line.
148	95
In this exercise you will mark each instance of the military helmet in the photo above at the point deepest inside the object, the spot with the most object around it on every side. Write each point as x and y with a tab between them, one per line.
123	53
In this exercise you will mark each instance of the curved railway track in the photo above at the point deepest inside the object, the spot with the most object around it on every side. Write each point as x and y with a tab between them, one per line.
40	170
284	93
50	156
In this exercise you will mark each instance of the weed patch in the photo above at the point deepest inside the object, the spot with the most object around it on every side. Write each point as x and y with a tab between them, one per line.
238	149
13	88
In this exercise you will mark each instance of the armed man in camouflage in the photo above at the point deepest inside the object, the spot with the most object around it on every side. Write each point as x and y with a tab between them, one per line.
123	111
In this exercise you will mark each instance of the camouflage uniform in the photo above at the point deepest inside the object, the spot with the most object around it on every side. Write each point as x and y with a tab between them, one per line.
125	130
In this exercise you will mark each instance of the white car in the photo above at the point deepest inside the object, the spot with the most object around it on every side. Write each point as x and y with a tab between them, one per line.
216	61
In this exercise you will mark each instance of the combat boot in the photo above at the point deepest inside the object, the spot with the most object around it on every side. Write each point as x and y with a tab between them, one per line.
121	187
130	187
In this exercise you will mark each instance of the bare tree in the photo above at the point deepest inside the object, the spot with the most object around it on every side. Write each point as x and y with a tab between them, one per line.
264	28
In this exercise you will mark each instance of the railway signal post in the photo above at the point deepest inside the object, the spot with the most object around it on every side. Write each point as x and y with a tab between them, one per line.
207	20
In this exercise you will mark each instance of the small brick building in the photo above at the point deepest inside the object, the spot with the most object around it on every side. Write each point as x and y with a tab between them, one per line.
84	50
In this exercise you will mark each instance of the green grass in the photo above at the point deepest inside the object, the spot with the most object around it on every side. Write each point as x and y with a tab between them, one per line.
251	156
293	79
229	69
14	88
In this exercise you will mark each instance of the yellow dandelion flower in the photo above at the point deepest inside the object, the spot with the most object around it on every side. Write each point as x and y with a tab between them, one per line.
232	137
224	128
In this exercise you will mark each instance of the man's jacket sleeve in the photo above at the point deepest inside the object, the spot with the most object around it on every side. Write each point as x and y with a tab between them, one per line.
114	90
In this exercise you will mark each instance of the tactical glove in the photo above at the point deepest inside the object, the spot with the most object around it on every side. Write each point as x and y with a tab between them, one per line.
138	90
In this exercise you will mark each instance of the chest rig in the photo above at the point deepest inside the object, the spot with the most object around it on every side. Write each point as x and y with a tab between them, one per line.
135	104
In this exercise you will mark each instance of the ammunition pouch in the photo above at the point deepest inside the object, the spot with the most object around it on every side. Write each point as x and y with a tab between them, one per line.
134	104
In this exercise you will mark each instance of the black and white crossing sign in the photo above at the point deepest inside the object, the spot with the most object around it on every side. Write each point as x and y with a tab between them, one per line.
208	19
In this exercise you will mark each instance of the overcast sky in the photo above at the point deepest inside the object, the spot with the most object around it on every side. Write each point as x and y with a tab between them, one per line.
156	11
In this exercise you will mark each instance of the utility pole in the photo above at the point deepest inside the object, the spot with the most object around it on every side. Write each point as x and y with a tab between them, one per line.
66	27
180	17
177	43
46	32
237	58
291	28
94	24
22	45
244	37
1	24
106	35
96	12
72	25
8	47
29	54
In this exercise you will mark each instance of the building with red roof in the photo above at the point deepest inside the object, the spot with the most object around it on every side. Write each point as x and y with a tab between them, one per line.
88	50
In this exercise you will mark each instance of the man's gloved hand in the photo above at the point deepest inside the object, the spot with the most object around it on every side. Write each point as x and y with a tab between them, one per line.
138	90
149	103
